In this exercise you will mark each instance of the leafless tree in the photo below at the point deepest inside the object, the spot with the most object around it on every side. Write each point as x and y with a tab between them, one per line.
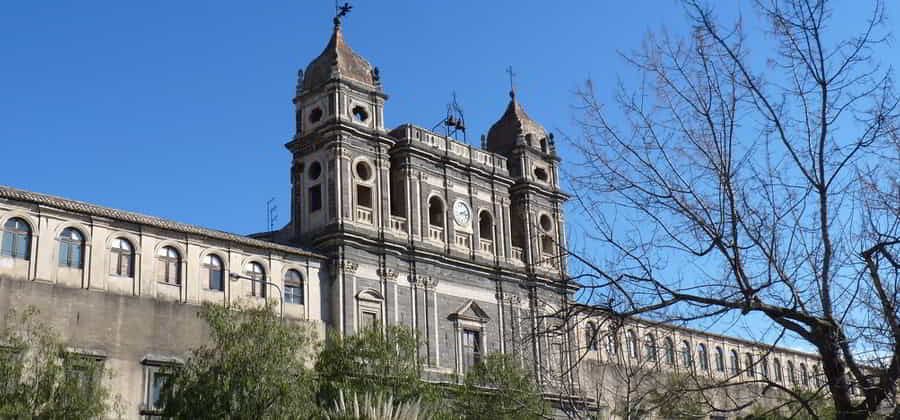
759	183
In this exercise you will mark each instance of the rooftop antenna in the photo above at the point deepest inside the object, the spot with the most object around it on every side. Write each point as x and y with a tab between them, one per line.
271	214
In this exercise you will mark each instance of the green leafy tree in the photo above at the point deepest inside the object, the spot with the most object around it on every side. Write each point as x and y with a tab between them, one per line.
678	396
39	379
802	405
255	366
372	362
498	388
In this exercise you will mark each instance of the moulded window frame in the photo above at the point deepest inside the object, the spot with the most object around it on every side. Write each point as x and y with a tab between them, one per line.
720	359
294	284
650	347
443	212
71	251
167	262
208	267
16	236
369	302
257	279
117	254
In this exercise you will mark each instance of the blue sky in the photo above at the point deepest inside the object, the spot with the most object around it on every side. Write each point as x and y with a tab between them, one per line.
181	109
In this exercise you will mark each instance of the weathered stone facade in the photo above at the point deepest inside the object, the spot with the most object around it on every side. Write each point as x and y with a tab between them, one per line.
391	227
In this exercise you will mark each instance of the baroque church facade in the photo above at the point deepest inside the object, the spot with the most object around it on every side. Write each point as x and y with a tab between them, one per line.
400	226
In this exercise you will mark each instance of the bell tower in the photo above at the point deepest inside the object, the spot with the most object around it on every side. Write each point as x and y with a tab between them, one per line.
340	145
536	209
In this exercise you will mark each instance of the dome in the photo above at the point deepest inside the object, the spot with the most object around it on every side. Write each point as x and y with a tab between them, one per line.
338	60
514	123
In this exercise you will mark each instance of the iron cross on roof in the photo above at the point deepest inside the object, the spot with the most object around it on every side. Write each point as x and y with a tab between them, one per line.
512	82
341	11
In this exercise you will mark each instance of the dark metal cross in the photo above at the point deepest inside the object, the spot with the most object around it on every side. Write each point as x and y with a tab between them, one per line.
341	11
512	82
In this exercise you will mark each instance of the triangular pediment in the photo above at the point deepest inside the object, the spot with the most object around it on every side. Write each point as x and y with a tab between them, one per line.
470	312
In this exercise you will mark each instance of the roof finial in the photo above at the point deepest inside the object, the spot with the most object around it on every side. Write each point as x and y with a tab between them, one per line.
512	82
340	12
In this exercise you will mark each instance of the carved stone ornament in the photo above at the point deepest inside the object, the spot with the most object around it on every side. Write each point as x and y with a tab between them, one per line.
509	298
423	176
427	282
346	266
388	274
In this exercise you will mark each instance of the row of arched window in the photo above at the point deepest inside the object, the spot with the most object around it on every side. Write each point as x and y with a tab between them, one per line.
752	365
16	243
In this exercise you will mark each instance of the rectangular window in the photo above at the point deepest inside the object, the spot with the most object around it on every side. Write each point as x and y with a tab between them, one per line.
557	358
293	294
471	348
82	373
315	198
364	196
369	320
156	380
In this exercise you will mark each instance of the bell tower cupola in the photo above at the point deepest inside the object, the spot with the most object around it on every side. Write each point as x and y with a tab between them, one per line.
536	211
339	86
340	160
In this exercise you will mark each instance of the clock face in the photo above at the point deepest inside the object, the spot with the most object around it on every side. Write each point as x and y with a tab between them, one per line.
461	213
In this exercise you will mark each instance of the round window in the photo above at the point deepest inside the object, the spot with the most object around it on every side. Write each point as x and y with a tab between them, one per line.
315	170
360	114
363	171
540	174
315	115
546	223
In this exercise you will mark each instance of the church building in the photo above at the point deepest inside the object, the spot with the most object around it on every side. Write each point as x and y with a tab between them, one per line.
389	226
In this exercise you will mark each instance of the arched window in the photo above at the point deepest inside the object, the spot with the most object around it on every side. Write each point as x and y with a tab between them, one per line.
258	279
71	248
776	366
720	359
591	333
215	272
16	239
817	376
121	258
650	347
170	265
750	370
804	375
669	348
764	367
612	344
293	287
735	363
792	374
632	344
485	226
687	356
703	356
436	212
